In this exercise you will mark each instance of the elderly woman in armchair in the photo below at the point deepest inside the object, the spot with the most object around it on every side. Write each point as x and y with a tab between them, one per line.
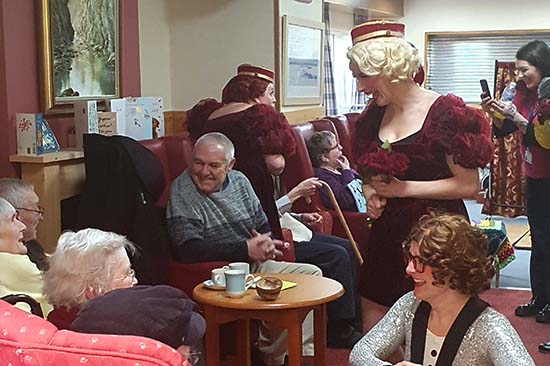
85	265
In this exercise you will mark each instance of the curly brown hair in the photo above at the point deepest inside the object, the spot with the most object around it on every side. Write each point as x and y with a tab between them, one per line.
455	250
243	88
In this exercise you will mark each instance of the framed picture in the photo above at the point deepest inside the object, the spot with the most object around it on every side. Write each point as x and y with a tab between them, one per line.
302	63
79	52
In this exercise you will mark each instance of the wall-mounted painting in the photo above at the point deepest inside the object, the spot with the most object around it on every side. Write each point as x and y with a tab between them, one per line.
302	82
79	49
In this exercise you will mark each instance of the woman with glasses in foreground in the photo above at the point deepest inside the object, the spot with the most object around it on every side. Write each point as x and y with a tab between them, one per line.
85	265
443	321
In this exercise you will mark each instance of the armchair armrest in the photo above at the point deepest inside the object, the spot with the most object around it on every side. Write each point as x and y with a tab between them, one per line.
288	253
186	276
359	226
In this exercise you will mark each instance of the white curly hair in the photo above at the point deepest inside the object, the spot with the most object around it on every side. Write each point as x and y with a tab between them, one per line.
83	261
6	209
390	57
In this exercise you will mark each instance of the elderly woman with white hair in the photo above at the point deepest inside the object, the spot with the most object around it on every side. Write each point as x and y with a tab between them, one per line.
18	275
85	265
417	151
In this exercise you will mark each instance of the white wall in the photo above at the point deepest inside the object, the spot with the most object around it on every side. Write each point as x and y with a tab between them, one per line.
154	50
341	18
312	11
472	15
210	38
189	48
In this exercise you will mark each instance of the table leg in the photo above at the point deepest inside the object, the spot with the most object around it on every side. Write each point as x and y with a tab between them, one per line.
294	339
211	337
243	342
320	334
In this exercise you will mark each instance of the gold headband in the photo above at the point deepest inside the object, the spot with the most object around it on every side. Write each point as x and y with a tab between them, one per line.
255	74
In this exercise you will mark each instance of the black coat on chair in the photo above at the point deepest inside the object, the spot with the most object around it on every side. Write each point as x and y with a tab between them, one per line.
123	180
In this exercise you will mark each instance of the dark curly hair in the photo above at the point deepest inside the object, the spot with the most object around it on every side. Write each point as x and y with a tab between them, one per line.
243	88
318	145
455	250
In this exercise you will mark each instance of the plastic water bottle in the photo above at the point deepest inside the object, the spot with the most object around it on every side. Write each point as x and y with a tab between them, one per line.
506	98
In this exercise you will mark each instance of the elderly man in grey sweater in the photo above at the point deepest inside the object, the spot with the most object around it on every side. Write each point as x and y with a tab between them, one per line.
213	214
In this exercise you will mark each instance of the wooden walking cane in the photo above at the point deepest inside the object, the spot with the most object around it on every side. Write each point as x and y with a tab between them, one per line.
343	222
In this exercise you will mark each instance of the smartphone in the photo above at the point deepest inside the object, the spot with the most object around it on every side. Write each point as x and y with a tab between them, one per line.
485	88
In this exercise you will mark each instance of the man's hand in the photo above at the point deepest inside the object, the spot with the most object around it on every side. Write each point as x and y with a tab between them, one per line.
310	219
261	247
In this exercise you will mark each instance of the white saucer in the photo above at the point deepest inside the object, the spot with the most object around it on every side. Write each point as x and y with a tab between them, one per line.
212	286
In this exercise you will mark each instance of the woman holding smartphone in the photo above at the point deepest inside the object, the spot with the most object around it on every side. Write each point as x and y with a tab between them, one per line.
532	64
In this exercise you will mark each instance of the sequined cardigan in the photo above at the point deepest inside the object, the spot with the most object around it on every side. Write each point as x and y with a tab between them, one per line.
490	341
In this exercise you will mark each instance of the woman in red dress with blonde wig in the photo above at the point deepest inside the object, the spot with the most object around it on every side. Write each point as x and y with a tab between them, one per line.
441	139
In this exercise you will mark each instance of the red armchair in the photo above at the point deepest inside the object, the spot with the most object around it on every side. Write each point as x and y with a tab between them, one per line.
27	339
298	168
174	154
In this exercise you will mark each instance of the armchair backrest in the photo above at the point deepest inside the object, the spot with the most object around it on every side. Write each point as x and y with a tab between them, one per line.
345	126
298	167
174	153
26	339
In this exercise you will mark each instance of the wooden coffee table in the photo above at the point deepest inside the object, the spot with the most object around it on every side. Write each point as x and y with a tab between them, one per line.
287	311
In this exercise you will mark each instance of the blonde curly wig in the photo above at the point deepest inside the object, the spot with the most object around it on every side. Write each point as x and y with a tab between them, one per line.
390	57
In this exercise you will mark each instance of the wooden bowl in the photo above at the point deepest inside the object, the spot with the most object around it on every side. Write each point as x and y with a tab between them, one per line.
269	288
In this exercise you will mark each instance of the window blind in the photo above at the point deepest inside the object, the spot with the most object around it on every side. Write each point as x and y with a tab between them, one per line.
456	62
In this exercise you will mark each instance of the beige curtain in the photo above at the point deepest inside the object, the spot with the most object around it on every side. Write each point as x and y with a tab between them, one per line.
506	192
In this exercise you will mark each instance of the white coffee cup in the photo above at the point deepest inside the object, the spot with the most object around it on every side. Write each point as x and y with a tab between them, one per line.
236	282
218	276
243	266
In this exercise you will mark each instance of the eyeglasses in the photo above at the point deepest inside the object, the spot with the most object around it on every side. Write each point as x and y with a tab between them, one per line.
130	274
418	263
40	211
329	149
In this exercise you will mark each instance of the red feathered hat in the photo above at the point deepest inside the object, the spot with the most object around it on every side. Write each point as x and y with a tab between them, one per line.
256	71
375	29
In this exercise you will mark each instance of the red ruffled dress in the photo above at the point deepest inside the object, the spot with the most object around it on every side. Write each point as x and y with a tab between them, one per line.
449	128
257	131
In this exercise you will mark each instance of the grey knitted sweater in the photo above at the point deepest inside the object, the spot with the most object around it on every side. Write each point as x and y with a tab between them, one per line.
214	227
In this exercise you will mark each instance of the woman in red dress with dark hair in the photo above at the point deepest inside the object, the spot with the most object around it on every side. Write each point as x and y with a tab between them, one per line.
248	118
444	140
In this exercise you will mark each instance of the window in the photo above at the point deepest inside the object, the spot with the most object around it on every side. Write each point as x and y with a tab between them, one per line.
457	61
343	80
